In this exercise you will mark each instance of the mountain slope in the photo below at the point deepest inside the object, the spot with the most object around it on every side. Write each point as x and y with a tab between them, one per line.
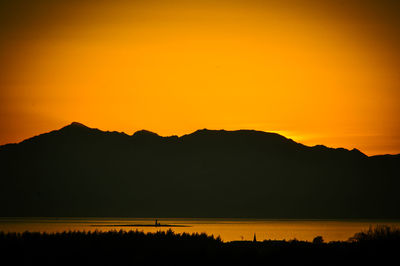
80	171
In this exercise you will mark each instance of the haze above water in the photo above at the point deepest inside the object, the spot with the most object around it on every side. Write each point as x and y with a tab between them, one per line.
227	229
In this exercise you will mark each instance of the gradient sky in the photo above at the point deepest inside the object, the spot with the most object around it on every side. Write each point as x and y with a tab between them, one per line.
319	72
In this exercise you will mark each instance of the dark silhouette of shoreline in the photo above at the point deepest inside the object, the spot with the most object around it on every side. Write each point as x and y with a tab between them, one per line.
156	224
139	225
378	246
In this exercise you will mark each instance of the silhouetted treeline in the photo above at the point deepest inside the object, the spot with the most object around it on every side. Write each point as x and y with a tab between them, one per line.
378	245
105	248
380	233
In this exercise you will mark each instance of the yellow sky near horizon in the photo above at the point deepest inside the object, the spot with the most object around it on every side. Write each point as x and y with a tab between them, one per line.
319	72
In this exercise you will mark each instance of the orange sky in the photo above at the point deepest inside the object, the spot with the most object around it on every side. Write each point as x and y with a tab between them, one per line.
320	72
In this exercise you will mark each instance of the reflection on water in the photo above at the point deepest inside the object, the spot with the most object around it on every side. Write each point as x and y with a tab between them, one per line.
227	229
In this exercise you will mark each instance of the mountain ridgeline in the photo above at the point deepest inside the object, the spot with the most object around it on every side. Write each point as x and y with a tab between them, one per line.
81	171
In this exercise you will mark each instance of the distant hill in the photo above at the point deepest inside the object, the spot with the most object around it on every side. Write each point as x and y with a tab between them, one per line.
81	171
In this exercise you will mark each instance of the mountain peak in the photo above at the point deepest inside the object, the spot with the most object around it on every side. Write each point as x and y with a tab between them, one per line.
144	132
77	124
76	127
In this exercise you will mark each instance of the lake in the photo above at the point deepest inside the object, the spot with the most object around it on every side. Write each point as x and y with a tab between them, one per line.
227	229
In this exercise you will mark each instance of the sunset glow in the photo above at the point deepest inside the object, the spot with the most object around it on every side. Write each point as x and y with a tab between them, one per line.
320	74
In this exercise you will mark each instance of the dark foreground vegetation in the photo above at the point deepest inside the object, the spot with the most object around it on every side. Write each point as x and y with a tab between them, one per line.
380	245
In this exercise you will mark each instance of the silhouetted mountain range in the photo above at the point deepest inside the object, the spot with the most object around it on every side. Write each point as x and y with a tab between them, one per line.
81	171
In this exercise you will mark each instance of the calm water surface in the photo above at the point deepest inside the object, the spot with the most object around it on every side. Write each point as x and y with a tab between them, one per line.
227	229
